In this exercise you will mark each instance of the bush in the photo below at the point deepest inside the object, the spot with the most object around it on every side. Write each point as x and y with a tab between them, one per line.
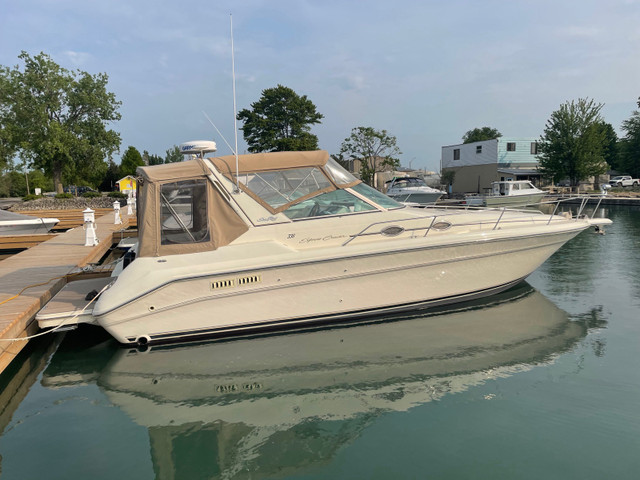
62	196
117	195
30	197
91	194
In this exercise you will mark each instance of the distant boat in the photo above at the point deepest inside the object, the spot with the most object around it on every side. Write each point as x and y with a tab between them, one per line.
412	190
507	193
16	224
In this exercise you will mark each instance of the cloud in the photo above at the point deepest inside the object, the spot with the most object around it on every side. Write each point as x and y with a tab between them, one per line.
579	32
77	59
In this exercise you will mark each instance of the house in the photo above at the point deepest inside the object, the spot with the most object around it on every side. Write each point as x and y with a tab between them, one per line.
127	184
478	164
383	172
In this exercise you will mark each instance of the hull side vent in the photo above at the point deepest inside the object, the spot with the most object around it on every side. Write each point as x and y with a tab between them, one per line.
249	280
222	284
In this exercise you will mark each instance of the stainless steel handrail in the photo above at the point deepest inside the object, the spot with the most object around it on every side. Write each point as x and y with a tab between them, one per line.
460	209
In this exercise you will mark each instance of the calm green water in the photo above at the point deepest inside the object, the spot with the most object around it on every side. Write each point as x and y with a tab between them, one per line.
540	382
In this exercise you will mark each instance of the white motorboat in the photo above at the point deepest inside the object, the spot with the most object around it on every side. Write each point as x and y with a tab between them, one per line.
12	223
412	190
292	238
509	193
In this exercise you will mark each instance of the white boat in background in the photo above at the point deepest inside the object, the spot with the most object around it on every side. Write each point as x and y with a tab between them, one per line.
412	190
12	223
266	241
508	193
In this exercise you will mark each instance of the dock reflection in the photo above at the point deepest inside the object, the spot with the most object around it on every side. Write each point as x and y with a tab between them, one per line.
279	405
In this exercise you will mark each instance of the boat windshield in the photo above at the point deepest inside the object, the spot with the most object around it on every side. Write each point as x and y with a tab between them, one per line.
338	174
408	182
280	187
375	196
337	202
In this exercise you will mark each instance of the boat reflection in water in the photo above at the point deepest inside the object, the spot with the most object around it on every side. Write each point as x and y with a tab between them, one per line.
278	405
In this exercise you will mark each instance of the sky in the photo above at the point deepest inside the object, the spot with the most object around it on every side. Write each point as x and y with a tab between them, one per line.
426	71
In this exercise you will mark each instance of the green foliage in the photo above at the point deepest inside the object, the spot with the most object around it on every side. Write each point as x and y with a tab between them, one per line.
173	155
480	134
116	195
91	194
130	161
630	144
63	196
111	176
610	150
13	183
280	121
58	119
448	177
376	151
572	145
28	198
151	159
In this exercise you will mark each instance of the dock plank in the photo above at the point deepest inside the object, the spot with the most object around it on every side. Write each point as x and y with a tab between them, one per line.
48	263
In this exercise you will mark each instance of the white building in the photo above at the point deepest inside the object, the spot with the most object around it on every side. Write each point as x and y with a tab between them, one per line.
478	164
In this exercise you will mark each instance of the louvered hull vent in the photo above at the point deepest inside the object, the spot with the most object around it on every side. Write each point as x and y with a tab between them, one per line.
220	284
249	280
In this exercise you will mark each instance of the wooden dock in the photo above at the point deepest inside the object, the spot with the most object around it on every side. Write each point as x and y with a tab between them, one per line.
45	267
69	218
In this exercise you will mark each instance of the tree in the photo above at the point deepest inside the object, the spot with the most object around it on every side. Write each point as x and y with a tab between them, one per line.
610	150
280	121
572	145
59	119
375	149
173	155
151	159
8	146
480	134
630	144
130	161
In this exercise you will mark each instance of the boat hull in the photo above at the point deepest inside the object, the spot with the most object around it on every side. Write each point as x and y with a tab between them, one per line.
504	200
30	226
280	296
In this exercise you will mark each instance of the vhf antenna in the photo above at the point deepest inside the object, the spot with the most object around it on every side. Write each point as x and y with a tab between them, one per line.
235	115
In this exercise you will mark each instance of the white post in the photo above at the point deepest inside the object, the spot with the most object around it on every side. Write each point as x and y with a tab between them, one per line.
130	203
116	211
90	237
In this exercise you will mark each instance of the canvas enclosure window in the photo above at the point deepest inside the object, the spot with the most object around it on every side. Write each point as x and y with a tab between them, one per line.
183	212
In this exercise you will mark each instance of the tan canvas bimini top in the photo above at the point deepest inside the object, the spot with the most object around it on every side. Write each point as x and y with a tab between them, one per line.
265	162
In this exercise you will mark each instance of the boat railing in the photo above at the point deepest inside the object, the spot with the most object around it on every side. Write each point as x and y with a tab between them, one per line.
453	210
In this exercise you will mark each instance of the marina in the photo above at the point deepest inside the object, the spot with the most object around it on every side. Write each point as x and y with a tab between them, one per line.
536	382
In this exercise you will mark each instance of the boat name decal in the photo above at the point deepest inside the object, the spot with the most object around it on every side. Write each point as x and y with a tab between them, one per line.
267	219
322	239
236	388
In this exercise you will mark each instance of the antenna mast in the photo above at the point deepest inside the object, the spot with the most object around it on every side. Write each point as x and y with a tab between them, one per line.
235	114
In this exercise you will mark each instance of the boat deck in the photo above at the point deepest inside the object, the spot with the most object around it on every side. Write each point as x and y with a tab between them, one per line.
39	273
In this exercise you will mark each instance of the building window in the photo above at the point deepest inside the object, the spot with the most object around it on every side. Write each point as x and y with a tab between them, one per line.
478	149
534	148
511	146
456	154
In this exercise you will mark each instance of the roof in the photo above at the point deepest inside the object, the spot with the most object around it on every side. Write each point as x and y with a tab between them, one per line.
128	177
519	171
